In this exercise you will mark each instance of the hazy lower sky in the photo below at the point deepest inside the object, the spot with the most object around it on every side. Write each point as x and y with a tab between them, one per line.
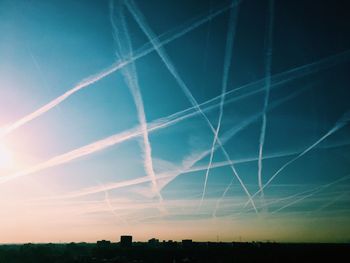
171	119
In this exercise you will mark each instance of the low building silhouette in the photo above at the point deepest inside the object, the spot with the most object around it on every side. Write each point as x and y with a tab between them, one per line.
103	243
153	242
187	243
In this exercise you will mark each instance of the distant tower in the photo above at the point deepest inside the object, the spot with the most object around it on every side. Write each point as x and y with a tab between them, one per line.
125	241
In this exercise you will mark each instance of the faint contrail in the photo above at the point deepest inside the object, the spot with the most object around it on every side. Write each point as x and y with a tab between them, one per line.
340	124
113	186
138	16
319	189
231	32
143	51
253	159
331	202
221	198
111	209
189	162
205	58
287	198
131	78
268	63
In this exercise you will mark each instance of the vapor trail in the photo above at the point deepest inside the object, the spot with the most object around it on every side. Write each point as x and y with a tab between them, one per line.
288	197
131	78
331	202
268	63
340	124
231	32
138	16
253	159
112	210
113	186
319	189
278	79
143	51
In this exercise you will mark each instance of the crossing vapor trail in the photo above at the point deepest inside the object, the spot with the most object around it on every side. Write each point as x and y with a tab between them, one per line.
131	78
317	190
231	32
343	121
187	165
143	51
258	86
268	63
138	16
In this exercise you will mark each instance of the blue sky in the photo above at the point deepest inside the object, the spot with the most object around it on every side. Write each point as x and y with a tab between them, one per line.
111	158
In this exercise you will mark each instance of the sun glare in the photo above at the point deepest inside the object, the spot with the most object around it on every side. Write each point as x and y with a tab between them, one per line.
5	157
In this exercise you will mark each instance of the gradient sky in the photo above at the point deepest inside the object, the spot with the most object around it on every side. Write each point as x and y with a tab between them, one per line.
84	167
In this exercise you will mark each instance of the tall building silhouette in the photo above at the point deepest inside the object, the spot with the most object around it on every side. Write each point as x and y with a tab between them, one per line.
125	241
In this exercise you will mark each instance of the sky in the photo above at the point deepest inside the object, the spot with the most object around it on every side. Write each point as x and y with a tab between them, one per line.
210	120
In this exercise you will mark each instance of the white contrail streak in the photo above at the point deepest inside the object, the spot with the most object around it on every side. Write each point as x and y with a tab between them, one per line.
268	63
131	78
319	189
161	40
163	55
231	32
340	124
